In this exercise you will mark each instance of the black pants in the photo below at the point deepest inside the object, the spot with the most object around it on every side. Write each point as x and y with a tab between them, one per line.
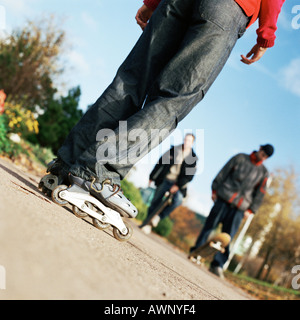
230	217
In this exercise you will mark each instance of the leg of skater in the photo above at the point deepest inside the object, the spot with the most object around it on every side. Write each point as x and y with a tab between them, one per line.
179	87
181	84
126	94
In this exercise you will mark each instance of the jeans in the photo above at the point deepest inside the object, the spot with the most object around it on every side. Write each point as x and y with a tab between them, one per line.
230	217
167	73
159	194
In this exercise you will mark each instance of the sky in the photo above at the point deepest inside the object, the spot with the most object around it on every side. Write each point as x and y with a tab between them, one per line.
246	107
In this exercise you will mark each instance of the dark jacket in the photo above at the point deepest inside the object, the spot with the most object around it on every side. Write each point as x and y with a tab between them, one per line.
187	172
242	183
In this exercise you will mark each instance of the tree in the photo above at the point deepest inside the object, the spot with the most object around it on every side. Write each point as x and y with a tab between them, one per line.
282	240
186	229
29	62
59	117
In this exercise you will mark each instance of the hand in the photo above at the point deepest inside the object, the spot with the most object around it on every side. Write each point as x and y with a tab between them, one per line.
247	214
255	54
143	16
174	189
214	197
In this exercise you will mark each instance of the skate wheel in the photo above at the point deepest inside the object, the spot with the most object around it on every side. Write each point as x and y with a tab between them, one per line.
41	184
46	191
55	195
79	213
100	225
121	237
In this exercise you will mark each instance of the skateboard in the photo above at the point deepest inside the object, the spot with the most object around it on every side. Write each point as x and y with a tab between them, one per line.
166	201
215	244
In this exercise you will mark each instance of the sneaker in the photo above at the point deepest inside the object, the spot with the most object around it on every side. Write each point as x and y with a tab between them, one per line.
192	249
155	221
147	229
218	271
197	260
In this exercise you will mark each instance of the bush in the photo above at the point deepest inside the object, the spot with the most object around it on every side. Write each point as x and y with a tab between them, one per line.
20	120
4	141
17	120
7	147
164	227
40	154
132	193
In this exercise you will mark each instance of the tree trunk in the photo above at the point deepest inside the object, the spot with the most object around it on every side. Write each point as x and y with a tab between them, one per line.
261	269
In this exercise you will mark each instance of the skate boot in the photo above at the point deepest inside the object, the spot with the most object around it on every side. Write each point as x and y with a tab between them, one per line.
56	176
104	203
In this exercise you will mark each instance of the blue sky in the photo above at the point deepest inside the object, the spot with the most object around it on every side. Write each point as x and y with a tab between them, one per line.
247	106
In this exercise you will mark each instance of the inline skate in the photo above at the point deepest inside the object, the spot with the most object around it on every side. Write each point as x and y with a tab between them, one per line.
56	175
103	202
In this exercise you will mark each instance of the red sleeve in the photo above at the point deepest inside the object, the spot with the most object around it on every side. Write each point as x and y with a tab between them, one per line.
152	4
268	16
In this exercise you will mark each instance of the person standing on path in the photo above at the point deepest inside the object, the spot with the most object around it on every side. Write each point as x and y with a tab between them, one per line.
173	172
237	191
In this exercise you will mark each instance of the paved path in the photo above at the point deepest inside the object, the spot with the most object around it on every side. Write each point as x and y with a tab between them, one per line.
48	253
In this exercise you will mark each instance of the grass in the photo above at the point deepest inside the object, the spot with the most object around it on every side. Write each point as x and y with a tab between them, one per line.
262	290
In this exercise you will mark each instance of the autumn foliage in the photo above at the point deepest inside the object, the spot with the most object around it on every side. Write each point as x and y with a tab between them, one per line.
186	228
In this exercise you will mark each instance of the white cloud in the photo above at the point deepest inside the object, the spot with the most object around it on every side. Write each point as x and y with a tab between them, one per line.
88	20
289	76
2	17
284	21
18	7
79	62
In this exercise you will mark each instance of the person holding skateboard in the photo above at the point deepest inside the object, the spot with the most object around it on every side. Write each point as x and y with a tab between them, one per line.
175	169
183	48
238	192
